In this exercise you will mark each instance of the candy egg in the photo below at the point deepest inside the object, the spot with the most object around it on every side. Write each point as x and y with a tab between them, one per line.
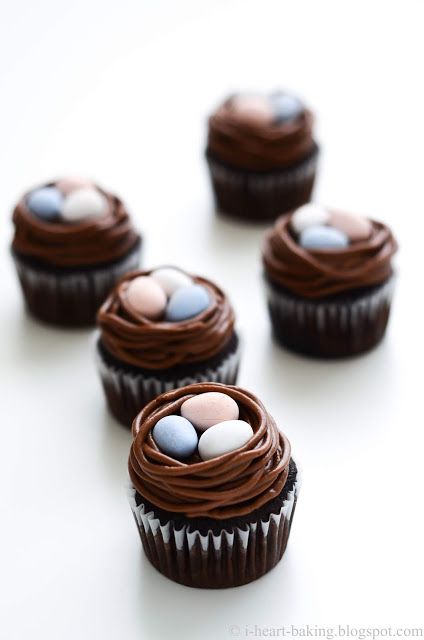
66	185
224	437
320	237
208	409
309	215
252	108
285	107
175	436
171	279
187	302
45	203
87	202
146	297
355	227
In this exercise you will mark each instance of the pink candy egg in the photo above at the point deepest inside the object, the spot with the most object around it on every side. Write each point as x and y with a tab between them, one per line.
253	108
210	408
355	227
66	185
146	297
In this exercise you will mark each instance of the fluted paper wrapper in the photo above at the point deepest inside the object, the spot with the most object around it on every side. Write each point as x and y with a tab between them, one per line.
262	196
127	392
70	298
331	328
213	560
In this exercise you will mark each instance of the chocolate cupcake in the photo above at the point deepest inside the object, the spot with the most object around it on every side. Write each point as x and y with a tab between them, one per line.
261	154
72	242
329	281
160	330
213	486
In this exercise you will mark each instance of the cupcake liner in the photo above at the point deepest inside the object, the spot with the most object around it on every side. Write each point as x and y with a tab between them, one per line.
332	328
219	558
128	391
70	298
262	196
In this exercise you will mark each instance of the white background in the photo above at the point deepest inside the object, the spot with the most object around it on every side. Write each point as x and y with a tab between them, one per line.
119	91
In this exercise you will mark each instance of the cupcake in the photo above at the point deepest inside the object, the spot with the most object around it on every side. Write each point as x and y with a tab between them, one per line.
329	281
72	242
261	154
213	485
160	330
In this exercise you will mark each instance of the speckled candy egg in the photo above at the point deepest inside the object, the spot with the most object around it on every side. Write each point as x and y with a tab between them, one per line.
171	279
320	237
223	438
83	203
309	215
146	297
355	227
175	436
187	302
66	185
208	409
285	107
45	203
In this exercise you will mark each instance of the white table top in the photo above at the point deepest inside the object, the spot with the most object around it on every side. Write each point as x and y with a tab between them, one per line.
119	92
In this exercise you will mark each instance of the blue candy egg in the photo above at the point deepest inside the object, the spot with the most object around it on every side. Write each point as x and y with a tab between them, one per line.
45	203
175	436
322	237
187	302
285	107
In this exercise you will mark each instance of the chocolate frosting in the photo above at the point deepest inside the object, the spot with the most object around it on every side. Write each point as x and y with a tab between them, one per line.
136	340
92	241
322	273
258	145
228	486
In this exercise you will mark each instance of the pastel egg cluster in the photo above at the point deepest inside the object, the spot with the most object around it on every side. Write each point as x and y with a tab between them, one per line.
277	108
167	294
209	424
320	229
69	200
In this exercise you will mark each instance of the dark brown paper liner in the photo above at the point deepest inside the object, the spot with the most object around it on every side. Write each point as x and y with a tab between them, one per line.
70	298
217	559
127	391
262	196
331	328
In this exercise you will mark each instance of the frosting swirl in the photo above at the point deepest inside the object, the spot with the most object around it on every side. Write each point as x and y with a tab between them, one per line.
230	485
258	144
91	241
136	340
321	273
